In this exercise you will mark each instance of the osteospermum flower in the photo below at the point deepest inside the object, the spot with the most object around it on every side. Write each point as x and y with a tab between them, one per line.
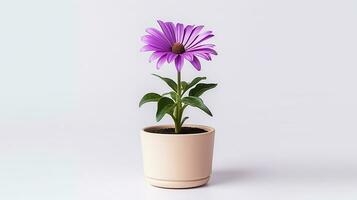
177	43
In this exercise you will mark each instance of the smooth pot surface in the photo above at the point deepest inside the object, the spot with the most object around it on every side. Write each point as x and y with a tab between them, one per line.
177	160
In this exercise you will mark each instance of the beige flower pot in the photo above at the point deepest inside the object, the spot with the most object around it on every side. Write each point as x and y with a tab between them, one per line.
177	160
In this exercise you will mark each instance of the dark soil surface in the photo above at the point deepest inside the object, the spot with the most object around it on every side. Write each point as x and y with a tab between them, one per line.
184	130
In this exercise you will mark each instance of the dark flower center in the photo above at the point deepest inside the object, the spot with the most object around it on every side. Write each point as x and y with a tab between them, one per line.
177	48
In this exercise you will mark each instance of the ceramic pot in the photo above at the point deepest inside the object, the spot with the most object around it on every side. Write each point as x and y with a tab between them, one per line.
177	160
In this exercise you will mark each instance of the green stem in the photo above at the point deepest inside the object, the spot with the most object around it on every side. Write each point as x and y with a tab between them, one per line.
178	113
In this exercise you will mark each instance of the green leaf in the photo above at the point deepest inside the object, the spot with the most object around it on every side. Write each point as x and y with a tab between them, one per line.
201	88
183	120
173	95
196	102
164	106
149	97
193	83
184	84
169	82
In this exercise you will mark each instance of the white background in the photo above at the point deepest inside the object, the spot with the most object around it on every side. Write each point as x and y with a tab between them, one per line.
71	76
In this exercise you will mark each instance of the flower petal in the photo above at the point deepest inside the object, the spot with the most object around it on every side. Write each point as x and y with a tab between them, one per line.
202	37
196	63
150	48
166	31
156	55
203	50
186	33
203	55
171	27
179	62
158	34
161	61
209	56
179	32
153	41
171	57
193	36
203	46
188	56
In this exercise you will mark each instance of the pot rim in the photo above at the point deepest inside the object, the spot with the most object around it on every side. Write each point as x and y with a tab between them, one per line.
208	130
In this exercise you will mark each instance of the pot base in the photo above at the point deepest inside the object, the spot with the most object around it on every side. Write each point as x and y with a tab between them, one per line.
176	184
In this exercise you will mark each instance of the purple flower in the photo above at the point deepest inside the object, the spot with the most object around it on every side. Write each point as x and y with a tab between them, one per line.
177	43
